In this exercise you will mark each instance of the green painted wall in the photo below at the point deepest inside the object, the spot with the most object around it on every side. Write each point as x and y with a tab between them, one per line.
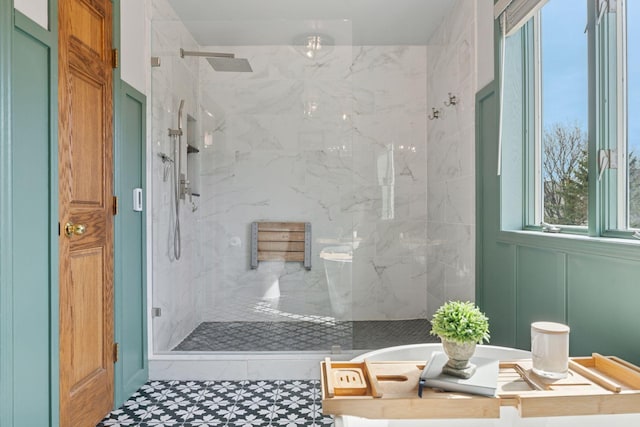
32	186
592	284
6	233
132	369
130	258
28	341
540	292
498	298
604	292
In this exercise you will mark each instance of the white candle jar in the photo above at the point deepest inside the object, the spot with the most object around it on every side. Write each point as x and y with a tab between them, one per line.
550	349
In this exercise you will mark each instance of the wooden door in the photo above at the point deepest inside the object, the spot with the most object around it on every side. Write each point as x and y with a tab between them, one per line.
85	141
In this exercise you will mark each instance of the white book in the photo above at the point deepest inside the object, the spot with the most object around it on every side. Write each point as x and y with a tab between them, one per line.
484	382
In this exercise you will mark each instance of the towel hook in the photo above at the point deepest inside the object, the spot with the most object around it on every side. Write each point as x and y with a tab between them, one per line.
435	114
453	100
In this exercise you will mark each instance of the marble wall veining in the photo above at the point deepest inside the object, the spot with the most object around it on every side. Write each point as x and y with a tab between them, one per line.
451	159
177	284
338	141
342	141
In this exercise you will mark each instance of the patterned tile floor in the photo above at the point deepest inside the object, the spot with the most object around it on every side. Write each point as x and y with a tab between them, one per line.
222	403
305	335
257	403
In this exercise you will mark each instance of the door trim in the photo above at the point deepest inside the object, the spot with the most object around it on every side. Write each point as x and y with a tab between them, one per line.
125	90
6	243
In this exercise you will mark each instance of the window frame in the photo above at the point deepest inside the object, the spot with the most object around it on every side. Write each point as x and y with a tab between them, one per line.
608	214
621	193
620	224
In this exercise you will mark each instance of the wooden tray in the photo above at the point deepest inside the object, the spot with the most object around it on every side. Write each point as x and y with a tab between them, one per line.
389	390
594	385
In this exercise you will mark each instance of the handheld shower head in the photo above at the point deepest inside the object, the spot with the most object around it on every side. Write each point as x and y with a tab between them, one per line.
180	115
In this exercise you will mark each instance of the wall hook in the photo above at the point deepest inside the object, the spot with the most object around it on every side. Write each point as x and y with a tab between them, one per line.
453	100
435	114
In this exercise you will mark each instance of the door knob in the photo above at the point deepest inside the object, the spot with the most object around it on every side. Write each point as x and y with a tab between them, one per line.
78	229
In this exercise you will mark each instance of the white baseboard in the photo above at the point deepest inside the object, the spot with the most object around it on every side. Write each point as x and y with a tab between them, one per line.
241	366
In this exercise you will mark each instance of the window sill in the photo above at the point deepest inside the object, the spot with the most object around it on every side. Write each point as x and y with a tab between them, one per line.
574	243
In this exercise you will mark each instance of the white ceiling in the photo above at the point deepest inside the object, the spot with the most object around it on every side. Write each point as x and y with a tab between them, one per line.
279	22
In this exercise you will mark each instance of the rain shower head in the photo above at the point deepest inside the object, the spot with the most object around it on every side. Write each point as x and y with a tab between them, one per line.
230	64
221	61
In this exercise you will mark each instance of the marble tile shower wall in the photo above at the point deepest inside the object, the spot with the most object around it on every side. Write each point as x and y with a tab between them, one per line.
451	159
177	284
338	141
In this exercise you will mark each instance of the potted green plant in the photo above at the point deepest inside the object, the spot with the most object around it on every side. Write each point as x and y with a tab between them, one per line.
460	326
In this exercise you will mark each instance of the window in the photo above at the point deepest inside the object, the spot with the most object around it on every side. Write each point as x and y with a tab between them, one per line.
582	95
562	113
629	22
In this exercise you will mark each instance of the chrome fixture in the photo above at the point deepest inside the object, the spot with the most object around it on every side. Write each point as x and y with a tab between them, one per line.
179	185
180	116
167	163
435	114
453	100
221	61
165	158
550	228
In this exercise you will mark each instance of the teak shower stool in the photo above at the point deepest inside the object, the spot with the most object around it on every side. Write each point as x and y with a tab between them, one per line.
281	241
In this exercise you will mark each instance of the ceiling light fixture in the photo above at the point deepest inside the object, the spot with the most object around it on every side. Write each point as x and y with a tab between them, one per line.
313	45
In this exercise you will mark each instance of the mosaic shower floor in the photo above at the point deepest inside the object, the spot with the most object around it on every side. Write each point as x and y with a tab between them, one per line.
222	403
305	335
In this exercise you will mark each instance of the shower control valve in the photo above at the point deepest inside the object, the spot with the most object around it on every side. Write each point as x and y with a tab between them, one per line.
185	188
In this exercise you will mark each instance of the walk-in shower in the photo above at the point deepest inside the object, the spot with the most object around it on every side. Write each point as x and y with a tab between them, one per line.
337	140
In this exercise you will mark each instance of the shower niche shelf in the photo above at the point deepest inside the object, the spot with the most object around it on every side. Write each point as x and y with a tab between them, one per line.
193	162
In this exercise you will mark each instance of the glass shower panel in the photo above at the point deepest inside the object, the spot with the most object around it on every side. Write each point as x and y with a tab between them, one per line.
279	152
274	144
176	277
323	131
